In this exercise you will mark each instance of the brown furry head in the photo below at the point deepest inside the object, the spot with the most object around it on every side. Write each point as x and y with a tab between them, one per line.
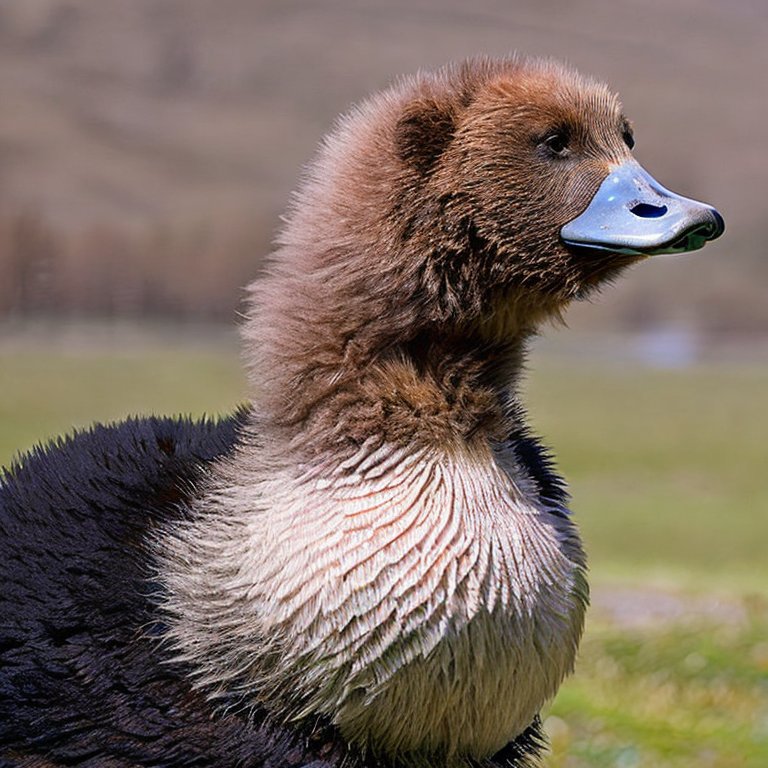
433	213
497	164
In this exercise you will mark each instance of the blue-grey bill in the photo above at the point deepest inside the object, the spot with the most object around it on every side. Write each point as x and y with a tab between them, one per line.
632	213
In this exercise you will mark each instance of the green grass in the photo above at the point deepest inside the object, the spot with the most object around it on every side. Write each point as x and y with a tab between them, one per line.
49	392
667	474
666	468
677	697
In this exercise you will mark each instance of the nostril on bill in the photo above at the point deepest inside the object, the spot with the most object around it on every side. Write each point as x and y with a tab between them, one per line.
648	211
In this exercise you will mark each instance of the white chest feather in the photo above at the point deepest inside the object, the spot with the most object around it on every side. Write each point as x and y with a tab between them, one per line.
422	602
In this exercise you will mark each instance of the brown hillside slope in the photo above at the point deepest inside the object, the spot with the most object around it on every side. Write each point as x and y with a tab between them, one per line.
199	113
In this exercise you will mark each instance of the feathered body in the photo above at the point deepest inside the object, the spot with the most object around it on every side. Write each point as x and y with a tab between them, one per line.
375	552
424	602
374	563
85	675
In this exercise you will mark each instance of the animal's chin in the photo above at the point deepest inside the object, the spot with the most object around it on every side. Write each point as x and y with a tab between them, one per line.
600	267
605	258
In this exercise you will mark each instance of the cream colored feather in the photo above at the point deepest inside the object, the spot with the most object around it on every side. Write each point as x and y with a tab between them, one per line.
425	602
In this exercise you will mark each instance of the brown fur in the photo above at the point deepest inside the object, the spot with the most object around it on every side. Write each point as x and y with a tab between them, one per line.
384	348
423	248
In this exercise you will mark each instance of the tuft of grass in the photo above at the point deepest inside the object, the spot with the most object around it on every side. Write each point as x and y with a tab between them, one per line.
666	697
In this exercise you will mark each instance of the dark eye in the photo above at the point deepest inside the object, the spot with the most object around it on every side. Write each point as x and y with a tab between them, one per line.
557	144
628	137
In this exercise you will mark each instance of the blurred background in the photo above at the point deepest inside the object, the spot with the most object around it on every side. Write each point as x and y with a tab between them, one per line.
147	149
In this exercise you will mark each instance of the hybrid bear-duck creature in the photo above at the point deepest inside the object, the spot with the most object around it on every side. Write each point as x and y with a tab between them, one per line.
373	562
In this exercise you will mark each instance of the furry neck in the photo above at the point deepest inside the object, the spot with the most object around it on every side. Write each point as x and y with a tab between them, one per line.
330	370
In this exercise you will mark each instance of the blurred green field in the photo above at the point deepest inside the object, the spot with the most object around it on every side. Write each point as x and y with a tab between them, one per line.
666	467
667	473
671	696
44	392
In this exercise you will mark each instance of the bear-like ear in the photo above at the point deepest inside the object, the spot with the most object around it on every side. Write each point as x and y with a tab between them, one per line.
423	132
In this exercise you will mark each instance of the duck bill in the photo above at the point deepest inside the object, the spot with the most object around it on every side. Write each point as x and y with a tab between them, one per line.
631	213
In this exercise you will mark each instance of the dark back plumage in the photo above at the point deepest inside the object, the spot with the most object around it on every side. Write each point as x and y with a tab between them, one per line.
84	679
